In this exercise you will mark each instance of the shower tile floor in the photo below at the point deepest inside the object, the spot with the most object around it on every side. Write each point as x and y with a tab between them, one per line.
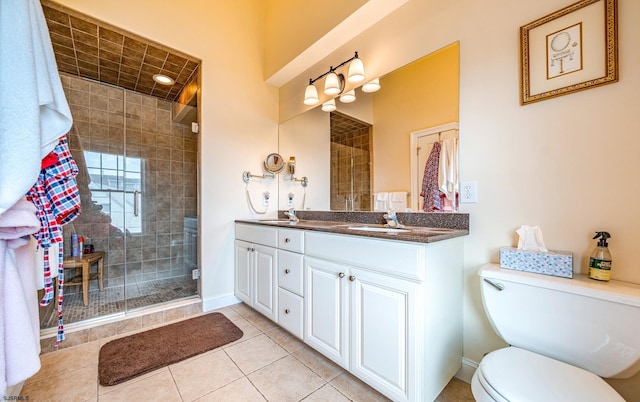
112	300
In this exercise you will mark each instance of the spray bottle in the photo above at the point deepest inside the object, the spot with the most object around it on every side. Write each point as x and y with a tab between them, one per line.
600	260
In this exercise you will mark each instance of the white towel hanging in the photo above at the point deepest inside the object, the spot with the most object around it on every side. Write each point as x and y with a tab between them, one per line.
381	201
34	112
398	200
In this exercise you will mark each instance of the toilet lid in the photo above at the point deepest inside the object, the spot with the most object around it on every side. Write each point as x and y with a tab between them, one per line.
520	375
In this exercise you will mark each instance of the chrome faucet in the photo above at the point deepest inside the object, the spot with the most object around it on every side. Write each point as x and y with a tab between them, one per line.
291	213
392	219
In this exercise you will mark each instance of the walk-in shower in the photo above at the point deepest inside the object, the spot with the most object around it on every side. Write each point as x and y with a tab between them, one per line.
138	165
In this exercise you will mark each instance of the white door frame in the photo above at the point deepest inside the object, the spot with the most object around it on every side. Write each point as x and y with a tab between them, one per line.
413	151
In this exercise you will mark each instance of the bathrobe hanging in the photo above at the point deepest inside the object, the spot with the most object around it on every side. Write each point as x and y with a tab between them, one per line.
448	173
57	201
430	188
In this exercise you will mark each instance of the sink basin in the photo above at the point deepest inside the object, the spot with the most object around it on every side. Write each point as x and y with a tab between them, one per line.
377	228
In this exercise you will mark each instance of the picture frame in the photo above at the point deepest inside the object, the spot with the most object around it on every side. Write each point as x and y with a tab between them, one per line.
570	50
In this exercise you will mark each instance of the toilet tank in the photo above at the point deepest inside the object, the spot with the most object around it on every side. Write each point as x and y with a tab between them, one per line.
590	324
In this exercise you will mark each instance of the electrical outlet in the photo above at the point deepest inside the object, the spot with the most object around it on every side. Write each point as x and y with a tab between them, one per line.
469	191
290	200
265	198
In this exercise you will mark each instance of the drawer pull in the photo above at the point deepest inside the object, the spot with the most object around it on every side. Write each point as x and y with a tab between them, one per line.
341	275
287	311
352	278
287	240
286	271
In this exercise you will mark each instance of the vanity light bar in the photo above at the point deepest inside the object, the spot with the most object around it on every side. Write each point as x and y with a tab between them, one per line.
334	83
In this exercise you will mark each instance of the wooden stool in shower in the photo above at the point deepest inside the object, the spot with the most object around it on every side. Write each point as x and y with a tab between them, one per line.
84	263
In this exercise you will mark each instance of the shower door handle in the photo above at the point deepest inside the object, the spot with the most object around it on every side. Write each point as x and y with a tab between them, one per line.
135	202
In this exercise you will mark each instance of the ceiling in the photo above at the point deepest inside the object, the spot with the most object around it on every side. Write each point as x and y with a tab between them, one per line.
89	48
343	124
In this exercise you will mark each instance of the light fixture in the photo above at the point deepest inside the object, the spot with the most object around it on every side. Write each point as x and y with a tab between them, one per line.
356	70
371	86
163	79
334	82
310	94
329	106
348	96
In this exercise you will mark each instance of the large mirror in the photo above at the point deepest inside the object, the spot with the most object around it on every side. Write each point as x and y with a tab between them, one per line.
371	154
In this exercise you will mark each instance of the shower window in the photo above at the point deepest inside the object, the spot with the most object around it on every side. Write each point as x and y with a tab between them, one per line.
115	183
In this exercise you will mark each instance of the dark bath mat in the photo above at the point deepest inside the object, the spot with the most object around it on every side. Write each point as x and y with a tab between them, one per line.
134	355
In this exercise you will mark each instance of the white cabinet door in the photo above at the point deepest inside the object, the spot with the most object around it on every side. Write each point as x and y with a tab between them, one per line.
326	312
243	268
382	341
265	293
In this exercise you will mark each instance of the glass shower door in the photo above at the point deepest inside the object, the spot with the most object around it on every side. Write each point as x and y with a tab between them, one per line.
138	189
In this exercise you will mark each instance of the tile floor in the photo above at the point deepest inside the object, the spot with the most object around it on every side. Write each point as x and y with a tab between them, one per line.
267	363
112	300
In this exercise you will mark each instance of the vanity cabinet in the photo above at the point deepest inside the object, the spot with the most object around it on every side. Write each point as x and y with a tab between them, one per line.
269	273
389	312
256	275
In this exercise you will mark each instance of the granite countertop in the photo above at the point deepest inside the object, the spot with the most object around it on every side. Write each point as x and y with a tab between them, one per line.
419	234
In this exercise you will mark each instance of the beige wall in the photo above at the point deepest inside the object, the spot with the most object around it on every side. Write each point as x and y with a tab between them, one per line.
421	95
238	110
293	26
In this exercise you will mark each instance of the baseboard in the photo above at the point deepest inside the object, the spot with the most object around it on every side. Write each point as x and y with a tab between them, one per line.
466	370
219	302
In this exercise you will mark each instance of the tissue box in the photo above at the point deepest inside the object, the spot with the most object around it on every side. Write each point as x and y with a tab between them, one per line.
555	263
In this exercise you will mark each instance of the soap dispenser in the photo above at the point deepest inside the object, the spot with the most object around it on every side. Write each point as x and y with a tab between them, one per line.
600	260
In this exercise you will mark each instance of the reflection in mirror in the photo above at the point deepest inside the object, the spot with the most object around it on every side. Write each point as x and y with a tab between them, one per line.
419	96
350	188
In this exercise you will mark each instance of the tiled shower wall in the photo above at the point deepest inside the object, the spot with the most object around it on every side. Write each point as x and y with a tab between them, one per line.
114	121
351	161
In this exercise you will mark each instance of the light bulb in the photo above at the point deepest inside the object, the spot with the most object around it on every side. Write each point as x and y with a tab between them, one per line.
371	86
332	84
329	106
356	71
163	79
348	96
310	95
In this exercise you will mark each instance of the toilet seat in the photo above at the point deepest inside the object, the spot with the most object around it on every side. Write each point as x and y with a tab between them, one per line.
514	374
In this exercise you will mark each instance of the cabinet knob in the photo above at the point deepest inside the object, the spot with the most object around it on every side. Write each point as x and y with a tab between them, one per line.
253	249
341	275
287	240
352	278
287	311
286	271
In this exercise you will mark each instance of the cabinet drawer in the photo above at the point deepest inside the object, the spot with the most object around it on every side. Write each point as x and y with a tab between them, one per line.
290	314
391	257
290	273
291	239
265	235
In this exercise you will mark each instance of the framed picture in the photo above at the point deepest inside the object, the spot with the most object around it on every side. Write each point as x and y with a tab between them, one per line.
569	50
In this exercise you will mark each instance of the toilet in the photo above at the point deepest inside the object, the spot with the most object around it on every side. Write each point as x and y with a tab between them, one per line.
564	336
